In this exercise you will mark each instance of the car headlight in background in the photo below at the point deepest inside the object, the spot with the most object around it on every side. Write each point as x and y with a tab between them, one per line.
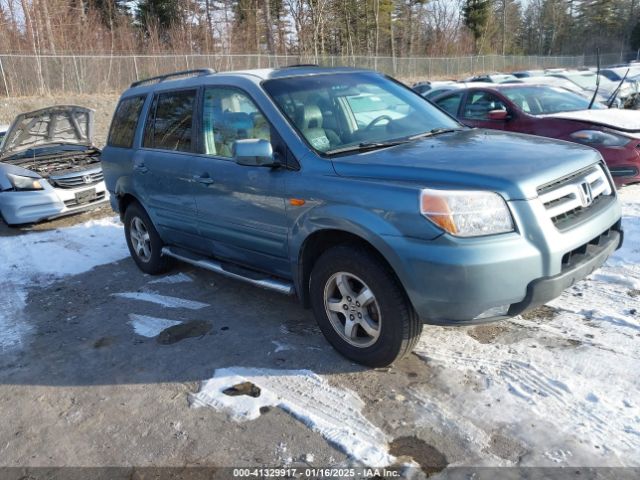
466	213
599	138
20	182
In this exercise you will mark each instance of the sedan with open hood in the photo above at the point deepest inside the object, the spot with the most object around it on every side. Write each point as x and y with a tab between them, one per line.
49	166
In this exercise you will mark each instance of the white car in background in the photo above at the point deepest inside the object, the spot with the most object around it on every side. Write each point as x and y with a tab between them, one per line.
551	81
49	166
588	80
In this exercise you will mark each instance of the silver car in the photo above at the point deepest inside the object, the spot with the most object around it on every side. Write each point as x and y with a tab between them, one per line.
49	166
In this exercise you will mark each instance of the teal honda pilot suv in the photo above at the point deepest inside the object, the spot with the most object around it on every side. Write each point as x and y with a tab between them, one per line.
344	187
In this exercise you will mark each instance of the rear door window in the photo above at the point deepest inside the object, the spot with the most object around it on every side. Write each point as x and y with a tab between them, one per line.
170	122
125	122
450	104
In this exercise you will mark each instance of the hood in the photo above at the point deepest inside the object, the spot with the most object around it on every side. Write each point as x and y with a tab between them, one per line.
623	120
513	165
66	124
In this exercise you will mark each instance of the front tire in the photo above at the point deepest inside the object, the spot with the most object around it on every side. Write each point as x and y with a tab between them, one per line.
361	308
145	245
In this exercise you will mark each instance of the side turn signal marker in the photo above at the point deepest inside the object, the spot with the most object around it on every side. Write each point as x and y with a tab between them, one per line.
296	202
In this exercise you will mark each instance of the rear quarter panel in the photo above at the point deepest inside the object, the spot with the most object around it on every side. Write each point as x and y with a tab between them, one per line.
117	162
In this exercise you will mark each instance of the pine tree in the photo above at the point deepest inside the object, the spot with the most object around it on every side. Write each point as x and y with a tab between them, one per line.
475	14
161	13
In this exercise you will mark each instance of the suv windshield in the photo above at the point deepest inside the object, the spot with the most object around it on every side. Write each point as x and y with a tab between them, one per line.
538	100
336	111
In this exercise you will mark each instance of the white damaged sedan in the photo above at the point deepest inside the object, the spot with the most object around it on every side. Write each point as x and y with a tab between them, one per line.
49	166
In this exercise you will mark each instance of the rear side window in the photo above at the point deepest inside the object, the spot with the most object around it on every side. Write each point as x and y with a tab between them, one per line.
170	122
125	121
450	104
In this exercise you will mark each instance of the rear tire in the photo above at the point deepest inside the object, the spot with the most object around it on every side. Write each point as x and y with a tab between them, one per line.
145	245
361	308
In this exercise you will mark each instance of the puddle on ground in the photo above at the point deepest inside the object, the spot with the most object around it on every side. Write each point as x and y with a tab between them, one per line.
302	329
430	459
176	333
103	342
245	388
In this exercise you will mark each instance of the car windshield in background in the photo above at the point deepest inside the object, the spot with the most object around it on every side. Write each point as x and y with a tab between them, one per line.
540	100
359	110
588	81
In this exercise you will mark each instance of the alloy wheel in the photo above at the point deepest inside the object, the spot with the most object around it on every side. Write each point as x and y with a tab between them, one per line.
140	239
352	309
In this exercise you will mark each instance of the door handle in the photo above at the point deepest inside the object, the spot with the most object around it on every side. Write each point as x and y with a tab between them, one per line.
140	167
202	179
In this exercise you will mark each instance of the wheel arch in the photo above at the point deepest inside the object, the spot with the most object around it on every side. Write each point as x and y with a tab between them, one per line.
318	242
124	200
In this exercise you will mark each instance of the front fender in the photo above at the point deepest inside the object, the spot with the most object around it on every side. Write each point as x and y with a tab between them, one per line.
363	223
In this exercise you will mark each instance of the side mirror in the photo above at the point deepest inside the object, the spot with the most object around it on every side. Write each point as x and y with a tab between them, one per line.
254	152
500	115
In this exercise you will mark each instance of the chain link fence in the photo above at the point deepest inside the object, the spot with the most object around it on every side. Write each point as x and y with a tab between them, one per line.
23	75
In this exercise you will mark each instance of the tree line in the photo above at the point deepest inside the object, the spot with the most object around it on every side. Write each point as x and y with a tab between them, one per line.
312	28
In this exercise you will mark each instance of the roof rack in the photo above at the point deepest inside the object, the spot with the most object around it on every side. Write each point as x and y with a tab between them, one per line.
299	65
183	73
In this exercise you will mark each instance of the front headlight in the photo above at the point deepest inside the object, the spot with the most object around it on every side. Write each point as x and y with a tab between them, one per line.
599	138
466	213
20	182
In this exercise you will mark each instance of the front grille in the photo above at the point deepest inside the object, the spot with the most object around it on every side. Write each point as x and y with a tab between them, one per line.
81	179
573	196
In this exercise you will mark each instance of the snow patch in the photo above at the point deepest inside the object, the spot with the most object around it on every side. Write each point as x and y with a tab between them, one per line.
43	257
173	279
281	347
13	324
333	412
150	327
164	300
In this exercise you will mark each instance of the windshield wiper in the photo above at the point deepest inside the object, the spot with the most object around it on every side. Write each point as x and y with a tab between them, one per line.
364	146
434	131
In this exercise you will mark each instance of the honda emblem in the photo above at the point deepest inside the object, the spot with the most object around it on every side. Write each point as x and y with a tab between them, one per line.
586	194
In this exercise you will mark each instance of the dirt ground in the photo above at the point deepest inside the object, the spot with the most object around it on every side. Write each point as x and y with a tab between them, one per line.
103	396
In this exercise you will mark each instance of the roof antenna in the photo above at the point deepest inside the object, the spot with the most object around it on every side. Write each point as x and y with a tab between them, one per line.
617	90
595	94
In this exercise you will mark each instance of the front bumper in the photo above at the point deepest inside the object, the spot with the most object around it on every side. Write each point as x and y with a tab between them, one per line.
34	206
578	265
457	281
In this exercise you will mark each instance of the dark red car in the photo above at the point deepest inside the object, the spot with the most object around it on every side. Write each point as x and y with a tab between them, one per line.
556	113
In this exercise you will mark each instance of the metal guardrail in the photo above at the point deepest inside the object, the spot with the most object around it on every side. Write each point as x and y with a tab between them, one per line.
22	75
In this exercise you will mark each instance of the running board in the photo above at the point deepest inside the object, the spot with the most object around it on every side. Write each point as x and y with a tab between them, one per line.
214	266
